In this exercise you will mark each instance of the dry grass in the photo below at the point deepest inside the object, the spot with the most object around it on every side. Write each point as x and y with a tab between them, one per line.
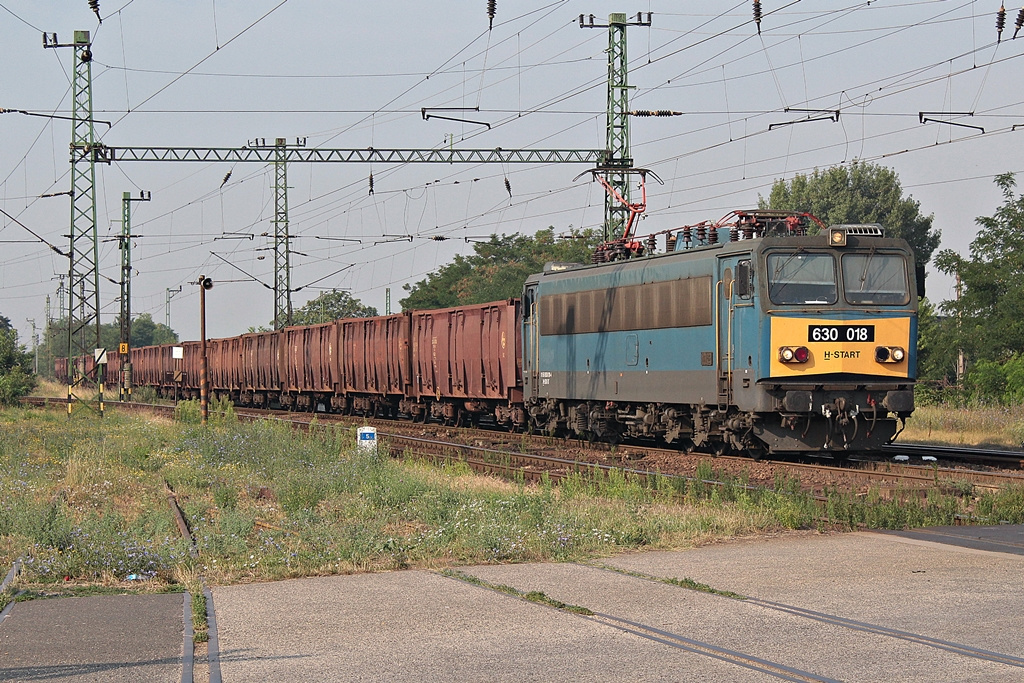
1000	427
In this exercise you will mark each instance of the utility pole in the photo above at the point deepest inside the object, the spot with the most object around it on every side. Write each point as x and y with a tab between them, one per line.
125	245
62	291
616	159
282	240
961	361
167	305
204	283
84	280
46	336
35	345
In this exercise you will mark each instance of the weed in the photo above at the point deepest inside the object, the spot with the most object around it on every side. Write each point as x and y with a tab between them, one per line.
531	596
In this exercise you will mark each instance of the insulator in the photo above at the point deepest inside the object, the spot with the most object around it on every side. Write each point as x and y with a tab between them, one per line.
227	176
492	6
1019	23
757	15
371	183
439	238
508	188
94	5
1000	22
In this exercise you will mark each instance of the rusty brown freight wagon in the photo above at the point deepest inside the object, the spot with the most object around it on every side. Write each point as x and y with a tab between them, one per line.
311	365
261	368
465	360
374	363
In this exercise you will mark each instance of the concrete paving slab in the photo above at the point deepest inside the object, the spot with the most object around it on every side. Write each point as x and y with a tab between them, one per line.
108	638
823	649
1004	538
420	626
943	591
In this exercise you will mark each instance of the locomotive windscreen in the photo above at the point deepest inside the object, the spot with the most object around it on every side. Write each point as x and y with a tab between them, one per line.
877	279
801	278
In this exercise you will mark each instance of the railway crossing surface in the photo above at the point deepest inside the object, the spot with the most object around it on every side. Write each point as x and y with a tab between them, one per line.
936	604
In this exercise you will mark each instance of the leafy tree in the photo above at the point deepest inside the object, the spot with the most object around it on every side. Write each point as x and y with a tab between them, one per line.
497	269
990	309
332	306
145	332
16	378
937	345
859	193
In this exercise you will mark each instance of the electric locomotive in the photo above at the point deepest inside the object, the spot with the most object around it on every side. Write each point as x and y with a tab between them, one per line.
749	334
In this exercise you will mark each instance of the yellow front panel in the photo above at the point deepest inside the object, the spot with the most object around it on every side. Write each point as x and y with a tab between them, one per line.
828	357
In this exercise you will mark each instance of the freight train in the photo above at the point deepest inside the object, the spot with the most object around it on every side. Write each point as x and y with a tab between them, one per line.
746	335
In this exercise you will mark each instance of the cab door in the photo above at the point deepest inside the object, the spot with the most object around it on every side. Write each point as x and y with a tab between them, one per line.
531	340
736	329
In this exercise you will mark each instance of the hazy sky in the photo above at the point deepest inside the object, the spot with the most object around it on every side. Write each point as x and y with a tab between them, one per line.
222	73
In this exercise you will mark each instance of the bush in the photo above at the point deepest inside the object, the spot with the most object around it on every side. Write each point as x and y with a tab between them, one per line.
15	384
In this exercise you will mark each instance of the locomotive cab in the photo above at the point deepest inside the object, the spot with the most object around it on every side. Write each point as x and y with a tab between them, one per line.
838	340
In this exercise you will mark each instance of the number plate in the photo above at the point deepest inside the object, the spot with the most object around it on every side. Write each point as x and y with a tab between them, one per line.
840	333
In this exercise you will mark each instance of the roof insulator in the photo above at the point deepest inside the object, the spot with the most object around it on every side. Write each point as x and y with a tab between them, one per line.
757	15
1000	22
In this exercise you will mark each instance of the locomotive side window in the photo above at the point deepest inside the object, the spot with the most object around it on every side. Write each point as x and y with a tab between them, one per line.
802	278
876	279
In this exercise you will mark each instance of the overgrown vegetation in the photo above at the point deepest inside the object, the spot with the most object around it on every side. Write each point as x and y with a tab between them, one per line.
967	423
84	502
16	378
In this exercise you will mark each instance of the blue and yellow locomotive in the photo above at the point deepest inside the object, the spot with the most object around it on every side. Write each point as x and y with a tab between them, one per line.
749	334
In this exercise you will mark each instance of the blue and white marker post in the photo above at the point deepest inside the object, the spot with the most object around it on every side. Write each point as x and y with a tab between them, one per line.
366	440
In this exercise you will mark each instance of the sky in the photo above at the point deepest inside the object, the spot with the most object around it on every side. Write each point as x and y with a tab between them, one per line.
330	74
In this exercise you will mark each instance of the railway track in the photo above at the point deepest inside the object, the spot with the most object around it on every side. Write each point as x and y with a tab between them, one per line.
534	457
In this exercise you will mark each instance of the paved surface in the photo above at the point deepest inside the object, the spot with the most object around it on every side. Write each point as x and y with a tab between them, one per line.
855	607
104	638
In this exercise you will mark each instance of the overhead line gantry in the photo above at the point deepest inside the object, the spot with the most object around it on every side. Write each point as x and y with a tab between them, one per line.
614	162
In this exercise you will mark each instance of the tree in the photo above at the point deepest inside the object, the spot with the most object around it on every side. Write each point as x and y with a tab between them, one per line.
990	309
145	332
16	378
859	193
497	269
331	306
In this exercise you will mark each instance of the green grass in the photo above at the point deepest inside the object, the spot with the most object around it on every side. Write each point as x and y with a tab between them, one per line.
532	596
83	501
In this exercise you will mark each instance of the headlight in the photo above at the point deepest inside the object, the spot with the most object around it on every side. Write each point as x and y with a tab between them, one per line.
890	354
794	354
